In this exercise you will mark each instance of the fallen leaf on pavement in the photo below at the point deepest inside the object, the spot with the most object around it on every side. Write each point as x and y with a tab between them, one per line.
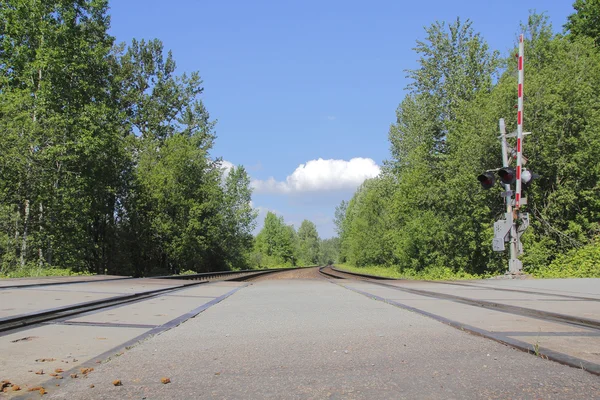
40	372
59	370
73	376
45	359
117	382
86	371
165	380
91	386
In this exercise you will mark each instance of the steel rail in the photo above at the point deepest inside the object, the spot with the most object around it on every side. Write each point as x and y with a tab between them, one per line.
12	287
454	283
524	311
549	354
25	320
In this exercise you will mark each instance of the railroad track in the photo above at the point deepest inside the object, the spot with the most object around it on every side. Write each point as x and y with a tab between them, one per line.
229	275
11	323
524	311
26	285
590	324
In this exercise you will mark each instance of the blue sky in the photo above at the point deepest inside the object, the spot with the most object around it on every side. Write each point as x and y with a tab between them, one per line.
292	82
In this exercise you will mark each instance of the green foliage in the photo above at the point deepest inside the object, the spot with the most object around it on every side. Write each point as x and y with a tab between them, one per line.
279	245
431	273
583	262
61	144
426	216
367	218
417	214
104	149
329	250
276	244
34	271
309	244
586	20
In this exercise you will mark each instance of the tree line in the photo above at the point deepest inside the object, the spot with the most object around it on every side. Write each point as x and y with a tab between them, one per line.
426	211
105	158
278	244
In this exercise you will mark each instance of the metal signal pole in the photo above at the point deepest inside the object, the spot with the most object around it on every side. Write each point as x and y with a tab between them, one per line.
520	124
514	264
515	222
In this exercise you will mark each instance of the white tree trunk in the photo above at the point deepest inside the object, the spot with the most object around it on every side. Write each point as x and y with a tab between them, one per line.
24	240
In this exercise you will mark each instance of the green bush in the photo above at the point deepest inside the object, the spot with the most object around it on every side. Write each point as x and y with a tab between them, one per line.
428	273
583	262
40	272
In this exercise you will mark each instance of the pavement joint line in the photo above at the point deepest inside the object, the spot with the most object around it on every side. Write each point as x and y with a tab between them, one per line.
506	308
93	362
101	324
542	352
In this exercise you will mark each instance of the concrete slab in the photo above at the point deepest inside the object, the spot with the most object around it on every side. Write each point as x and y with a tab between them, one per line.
548	302
158	310
73	342
584	287
67	346
53	280
312	340
568	339
23	301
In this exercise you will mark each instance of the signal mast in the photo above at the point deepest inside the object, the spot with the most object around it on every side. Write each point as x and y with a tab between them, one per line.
515	222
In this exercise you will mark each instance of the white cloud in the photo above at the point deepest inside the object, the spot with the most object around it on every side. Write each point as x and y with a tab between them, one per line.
322	175
331	117
226	166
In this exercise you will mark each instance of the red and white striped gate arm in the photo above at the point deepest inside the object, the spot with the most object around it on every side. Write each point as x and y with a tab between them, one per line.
520	124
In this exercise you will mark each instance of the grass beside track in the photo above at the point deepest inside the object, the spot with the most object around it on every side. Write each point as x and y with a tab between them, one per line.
555	271
46	272
42	272
391	272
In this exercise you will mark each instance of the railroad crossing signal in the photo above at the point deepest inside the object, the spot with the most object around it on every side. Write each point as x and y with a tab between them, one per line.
510	229
507	176
487	180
